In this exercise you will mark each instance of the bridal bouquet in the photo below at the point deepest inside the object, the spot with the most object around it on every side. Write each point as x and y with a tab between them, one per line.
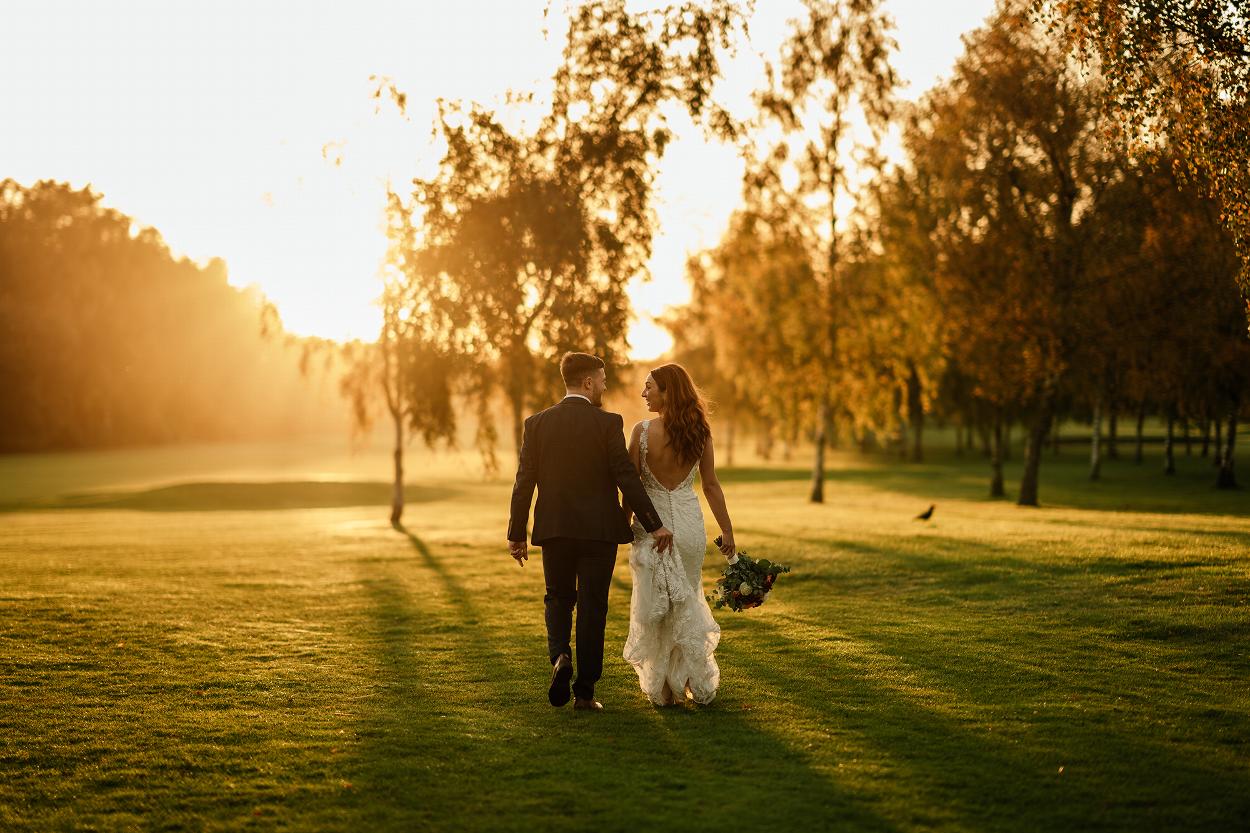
745	582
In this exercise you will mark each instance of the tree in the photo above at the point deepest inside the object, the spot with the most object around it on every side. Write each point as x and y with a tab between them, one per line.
110	340
748	321
898	306
1011	144
418	358
1176	72
835	60
541	231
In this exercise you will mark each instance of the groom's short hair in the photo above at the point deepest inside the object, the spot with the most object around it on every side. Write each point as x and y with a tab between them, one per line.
575	367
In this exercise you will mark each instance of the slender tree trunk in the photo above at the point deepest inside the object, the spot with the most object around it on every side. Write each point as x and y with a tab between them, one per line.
1054	436
1033	450
915	413
1007	439
983	431
1095	442
1226	478
397	488
1169	460
1219	443
1141	421
818	465
1113	451
1206	435
996	459
1189	443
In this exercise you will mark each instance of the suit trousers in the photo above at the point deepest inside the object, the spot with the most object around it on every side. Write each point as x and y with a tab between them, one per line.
578	574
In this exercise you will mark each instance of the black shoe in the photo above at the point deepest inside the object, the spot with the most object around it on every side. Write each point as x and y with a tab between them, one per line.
561	673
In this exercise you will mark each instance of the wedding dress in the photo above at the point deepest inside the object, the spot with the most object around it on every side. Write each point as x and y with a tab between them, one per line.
672	635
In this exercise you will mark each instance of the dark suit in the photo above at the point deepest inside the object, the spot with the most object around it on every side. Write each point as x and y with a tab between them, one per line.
574	453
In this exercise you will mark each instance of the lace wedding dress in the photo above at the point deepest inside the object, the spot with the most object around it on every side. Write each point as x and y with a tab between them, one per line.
672	635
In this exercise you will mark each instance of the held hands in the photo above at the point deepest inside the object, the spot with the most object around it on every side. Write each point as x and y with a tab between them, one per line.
663	540
518	550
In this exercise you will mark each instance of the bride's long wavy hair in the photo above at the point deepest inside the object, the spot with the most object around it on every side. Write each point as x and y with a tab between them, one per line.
685	412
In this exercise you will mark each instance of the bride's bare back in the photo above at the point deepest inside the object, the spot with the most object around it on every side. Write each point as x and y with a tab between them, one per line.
663	460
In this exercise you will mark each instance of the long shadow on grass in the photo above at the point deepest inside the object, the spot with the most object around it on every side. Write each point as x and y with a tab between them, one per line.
957	770
465	740
1118	605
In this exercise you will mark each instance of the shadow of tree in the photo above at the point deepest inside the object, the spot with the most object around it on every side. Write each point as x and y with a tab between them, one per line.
956	578
989	758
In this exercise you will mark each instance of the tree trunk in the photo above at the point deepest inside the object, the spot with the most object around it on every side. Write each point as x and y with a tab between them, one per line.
1054	437
1226	478
1036	438
1113	451
983	431
915	413
1219	443
1206	435
1095	442
996	459
818	465
1169	460
1189	443
1141	420
1007	439
397	488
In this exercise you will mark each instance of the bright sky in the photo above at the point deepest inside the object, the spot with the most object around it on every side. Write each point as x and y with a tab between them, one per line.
244	129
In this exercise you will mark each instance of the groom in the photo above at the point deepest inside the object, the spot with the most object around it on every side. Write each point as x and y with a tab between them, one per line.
575	454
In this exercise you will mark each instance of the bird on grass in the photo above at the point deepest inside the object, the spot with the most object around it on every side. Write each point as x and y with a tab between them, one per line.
926	514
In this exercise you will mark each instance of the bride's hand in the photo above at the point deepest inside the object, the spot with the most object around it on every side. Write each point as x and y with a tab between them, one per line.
727	547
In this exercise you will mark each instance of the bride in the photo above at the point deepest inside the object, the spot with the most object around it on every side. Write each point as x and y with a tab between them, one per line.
672	635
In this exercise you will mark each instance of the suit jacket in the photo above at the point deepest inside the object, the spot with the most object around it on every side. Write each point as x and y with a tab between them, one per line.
575	454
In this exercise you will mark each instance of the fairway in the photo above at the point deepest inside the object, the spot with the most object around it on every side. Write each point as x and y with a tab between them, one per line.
172	660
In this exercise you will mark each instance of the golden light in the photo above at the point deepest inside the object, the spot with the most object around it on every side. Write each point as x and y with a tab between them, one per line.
247	131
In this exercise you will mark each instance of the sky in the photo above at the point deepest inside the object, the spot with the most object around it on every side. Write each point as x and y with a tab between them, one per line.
247	130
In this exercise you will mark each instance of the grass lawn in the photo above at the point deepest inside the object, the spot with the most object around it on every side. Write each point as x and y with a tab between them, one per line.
261	652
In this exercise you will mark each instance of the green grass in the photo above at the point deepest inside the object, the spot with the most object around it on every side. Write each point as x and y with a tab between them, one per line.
300	665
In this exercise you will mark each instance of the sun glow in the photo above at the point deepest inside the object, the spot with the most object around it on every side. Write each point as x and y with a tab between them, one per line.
248	131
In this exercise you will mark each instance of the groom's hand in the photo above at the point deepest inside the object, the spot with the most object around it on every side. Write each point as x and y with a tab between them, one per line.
663	540
519	550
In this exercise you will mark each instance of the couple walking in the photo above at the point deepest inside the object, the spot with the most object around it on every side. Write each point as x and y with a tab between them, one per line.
575	454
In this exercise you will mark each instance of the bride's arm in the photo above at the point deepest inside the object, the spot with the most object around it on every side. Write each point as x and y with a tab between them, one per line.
716	498
635	439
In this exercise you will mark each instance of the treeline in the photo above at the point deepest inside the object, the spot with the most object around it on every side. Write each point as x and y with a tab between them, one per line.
1017	268
106	339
